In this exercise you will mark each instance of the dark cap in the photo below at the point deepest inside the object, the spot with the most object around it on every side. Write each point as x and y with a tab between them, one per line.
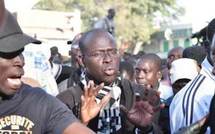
11	36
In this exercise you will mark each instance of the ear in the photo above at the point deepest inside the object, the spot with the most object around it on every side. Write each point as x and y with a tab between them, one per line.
83	60
159	75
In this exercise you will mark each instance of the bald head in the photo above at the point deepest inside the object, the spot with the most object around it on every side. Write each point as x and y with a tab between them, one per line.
178	50
100	56
174	54
96	35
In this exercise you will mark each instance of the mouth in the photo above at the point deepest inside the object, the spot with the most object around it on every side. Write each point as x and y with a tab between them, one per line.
15	81
141	82
109	71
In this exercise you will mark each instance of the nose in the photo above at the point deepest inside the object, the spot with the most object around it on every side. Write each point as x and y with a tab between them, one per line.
107	57
19	60
140	75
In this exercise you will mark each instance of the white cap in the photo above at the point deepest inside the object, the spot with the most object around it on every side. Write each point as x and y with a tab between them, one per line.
183	68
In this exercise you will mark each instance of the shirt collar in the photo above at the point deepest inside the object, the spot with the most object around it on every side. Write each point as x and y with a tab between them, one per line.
207	69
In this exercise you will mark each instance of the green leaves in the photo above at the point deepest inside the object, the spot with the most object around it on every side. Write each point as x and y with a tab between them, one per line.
134	18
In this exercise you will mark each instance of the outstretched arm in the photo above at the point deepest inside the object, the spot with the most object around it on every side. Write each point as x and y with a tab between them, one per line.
194	128
143	111
77	128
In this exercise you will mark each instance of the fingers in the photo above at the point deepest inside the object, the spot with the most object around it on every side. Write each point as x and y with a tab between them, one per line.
91	90
105	100
85	91
158	107
83	103
149	87
91	87
124	109
87	88
203	120
141	114
157	93
99	87
145	107
153	97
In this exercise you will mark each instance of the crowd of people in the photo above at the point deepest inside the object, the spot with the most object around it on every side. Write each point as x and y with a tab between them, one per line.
102	91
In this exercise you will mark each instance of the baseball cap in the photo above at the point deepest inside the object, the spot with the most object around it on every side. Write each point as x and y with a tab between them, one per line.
11	36
183	68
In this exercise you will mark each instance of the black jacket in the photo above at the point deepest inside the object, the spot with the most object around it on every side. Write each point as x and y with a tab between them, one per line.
72	98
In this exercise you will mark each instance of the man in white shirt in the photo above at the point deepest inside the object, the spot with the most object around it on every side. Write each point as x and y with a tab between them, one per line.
193	101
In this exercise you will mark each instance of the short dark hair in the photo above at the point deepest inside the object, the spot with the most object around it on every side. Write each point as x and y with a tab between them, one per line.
54	48
111	10
197	53
154	58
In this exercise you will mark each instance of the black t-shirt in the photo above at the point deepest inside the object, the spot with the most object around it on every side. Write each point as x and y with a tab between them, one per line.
33	111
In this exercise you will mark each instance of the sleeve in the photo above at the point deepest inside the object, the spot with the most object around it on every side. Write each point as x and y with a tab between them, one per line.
59	116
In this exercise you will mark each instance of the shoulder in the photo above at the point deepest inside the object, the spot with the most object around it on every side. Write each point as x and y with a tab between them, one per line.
203	85
67	94
190	86
38	96
51	110
27	90
71	91
199	90
71	96
200	82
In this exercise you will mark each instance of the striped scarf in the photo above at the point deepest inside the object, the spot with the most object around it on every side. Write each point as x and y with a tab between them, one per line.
109	118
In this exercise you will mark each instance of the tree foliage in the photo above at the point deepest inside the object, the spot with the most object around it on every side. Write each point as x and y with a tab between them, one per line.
134	18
